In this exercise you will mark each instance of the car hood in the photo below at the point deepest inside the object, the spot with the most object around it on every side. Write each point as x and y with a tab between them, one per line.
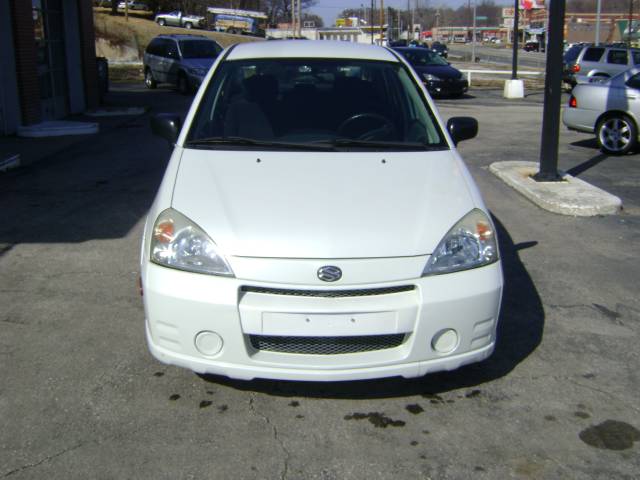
440	71
322	205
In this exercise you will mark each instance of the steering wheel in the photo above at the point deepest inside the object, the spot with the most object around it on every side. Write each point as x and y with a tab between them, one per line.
366	126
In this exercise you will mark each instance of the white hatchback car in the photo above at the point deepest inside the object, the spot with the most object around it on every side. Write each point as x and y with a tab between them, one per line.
315	222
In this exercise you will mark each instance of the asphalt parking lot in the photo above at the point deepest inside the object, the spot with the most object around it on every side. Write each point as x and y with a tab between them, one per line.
82	398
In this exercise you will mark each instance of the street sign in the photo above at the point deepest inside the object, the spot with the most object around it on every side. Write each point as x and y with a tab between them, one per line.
482	17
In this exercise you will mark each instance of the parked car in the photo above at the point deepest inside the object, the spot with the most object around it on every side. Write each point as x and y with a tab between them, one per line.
583	63
438	76
133	5
315	222
182	60
440	48
178	19
610	109
533	47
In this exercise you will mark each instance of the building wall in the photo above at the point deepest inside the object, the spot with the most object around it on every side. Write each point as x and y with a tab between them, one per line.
9	104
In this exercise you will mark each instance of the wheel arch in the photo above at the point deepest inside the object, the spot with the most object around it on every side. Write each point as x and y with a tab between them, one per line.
613	113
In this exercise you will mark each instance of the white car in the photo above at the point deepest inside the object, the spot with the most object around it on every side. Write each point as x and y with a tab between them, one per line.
315	222
609	108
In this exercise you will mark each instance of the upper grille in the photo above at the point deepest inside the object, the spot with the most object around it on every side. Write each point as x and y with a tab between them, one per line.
326	345
330	293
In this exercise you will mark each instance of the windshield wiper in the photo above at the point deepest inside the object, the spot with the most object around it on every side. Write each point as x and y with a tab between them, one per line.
242	141
349	142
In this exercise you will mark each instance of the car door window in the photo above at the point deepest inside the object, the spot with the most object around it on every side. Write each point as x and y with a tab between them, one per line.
617	57
636	58
634	82
593	54
172	50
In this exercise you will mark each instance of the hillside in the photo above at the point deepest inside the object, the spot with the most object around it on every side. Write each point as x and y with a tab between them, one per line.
125	41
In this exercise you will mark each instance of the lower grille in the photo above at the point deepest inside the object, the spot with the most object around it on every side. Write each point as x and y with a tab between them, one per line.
326	345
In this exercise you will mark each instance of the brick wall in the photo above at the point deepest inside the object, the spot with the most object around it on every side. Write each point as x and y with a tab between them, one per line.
25	54
88	53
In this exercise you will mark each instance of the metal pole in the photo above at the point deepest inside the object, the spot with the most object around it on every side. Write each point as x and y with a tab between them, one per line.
381	21
514	58
473	40
371	20
293	18
598	9
630	23
299	18
552	96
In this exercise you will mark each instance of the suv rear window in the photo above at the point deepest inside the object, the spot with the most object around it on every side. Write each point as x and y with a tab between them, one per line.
593	54
571	54
617	57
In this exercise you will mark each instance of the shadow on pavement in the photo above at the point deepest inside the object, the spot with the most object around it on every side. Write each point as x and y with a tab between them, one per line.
98	187
584	166
519	333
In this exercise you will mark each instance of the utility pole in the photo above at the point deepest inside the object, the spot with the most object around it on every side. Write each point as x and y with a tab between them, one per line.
630	23
473	40
381	22
299	18
552	96
293	18
598	9
371	21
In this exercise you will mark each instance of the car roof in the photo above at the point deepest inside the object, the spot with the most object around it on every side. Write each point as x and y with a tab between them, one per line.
310	49
184	36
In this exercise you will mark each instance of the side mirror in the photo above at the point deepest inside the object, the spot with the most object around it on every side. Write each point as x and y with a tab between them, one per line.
167	126
462	128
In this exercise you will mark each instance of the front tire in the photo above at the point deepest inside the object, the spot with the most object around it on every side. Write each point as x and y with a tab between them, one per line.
188	25
149	81
617	134
161	22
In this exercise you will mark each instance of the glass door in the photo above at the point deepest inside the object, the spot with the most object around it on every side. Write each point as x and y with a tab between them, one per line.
51	60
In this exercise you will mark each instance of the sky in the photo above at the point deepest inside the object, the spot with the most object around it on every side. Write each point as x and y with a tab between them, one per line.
329	9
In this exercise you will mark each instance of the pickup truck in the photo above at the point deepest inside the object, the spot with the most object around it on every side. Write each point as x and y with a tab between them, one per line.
177	19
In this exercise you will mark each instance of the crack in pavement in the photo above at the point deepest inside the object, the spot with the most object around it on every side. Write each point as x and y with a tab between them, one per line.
44	460
276	437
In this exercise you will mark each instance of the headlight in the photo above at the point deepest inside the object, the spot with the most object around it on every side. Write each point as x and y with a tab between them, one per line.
430	78
177	242
469	244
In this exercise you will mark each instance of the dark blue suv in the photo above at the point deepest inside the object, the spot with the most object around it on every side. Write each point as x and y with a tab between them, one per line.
182	60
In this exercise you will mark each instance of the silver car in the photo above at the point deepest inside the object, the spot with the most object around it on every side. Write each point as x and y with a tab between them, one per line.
610	109
599	62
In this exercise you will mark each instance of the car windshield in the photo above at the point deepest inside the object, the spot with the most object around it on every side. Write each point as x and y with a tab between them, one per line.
314	103
199	49
420	57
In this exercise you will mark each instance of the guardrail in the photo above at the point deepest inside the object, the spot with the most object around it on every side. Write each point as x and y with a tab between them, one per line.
496	72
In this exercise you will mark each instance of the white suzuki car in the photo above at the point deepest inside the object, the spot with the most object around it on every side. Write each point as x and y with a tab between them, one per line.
315	222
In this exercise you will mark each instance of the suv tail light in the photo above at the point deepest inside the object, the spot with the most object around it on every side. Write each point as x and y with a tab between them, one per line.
573	103
575	68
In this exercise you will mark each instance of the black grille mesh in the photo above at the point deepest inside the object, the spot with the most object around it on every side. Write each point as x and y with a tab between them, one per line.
330	293
325	345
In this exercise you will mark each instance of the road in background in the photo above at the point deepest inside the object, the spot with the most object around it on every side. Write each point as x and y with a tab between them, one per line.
81	397
498	55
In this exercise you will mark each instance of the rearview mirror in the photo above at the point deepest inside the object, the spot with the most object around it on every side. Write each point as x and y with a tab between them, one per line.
167	126
462	128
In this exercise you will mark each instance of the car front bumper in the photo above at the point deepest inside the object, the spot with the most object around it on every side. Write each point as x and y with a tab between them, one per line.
447	86
229	326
